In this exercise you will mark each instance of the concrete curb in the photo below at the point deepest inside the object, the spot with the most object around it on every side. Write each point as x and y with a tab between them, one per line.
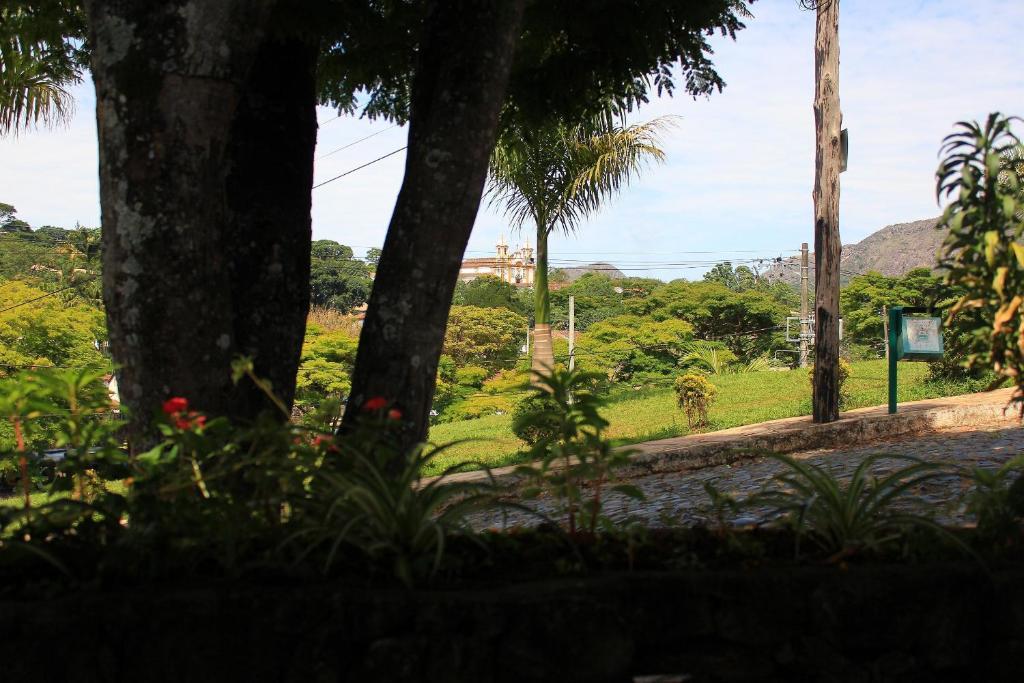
791	435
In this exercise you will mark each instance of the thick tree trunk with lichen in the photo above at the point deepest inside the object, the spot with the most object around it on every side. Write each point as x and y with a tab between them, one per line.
207	127
457	95
827	247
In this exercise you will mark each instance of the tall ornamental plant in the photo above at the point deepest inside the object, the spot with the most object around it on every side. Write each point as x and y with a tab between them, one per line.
981	176
557	175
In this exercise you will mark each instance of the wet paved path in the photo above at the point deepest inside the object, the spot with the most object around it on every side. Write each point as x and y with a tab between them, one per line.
680	498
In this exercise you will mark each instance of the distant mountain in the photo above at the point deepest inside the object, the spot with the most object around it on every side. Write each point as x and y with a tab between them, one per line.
894	250
600	267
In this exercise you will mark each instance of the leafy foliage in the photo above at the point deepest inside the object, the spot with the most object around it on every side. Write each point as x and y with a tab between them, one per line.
41	55
597	298
50	331
745	322
489	292
695	395
557	175
862	299
710	357
336	280
628	347
575	462
564	66
213	496
534	419
325	369
488	336
984	252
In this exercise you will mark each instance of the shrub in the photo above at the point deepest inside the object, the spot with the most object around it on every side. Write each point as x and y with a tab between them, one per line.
534	418
845	370
471	376
505	381
695	395
478	405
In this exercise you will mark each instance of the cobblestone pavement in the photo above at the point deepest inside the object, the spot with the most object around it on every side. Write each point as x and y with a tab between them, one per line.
680	498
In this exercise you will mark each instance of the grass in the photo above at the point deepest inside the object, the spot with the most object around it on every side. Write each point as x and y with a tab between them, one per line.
40	498
649	414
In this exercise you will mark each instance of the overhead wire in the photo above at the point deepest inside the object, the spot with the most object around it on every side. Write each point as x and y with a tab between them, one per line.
355	142
360	167
48	294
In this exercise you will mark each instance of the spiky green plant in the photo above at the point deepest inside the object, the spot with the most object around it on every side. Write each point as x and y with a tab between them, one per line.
709	357
387	515
847	517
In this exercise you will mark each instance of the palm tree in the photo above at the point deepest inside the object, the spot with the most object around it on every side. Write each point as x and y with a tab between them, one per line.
33	84
558	175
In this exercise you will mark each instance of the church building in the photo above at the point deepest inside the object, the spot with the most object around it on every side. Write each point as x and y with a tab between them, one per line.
515	268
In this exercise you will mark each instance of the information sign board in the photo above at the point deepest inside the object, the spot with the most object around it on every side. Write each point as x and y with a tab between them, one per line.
920	339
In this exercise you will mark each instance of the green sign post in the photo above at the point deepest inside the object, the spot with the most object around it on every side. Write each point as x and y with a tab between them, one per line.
911	337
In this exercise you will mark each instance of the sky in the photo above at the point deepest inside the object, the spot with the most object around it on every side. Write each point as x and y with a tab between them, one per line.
740	164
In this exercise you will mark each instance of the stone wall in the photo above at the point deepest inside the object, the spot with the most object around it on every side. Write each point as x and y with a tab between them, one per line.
908	623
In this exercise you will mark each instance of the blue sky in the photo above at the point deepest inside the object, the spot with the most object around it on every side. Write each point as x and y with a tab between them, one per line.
740	168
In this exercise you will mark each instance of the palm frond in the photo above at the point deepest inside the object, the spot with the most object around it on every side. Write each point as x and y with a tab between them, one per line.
561	174
33	87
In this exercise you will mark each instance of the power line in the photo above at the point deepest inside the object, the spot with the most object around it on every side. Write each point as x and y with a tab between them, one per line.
324	123
353	170
356	142
25	303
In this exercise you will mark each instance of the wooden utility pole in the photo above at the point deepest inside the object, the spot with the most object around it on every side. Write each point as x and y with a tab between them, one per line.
827	247
805	311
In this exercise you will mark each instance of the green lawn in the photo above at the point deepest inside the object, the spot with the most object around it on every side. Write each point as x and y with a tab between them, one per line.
648	414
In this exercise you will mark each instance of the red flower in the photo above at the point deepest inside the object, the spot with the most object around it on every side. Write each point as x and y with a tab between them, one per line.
189	420
175	405
375	403
394	414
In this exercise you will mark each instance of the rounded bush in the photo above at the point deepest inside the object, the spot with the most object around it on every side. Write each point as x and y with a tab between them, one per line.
535	418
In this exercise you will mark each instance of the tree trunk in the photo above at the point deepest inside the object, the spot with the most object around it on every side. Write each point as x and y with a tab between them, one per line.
543	354
457	95
207	128
827	247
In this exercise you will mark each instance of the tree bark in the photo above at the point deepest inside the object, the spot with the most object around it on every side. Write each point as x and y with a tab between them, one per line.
458	91
543	354
207	127
827	245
